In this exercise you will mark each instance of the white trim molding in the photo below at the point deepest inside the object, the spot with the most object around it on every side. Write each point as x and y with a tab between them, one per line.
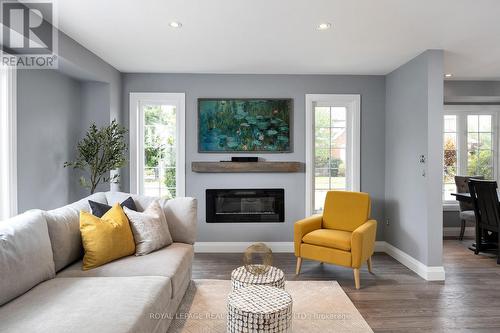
429	273
353	154
461	112
8	142
136	133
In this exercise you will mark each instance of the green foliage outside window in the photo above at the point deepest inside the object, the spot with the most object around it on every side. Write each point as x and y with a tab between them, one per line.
336	166
159	148
479	163
154	150
450	161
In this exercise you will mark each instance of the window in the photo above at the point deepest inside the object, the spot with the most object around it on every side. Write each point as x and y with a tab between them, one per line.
157	144
450	155
8	157
479	145
332	152
469	145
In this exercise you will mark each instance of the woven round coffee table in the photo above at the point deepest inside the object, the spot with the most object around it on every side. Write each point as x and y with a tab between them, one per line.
259	309
274	277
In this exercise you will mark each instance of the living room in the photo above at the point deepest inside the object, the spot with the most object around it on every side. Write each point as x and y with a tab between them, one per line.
252	166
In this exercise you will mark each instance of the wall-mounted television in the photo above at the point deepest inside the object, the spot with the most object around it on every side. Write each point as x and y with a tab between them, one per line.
245	125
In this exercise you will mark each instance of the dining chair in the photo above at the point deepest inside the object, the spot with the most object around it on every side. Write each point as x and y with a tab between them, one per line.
487	208
466	208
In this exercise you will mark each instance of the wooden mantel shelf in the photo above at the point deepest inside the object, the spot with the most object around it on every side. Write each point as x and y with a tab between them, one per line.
218	167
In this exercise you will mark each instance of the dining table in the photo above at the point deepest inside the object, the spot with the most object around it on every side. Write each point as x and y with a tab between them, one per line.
465	197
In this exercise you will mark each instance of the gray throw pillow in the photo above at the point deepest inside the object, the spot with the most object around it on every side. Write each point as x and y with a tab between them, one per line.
150	228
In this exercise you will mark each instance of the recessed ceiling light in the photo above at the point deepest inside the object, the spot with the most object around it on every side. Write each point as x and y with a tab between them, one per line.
175	24
324	26
448	75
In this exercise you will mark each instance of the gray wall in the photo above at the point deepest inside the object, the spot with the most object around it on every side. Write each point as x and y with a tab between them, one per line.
372	90
451	219
62	104
413	120
95	106
434	170
48	111
78	62
471	88
54	113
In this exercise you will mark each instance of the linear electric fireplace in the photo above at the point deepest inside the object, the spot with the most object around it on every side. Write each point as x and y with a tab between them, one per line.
245	205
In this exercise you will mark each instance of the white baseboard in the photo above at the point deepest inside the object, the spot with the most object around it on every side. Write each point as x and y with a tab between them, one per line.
380	246
455	231
429	273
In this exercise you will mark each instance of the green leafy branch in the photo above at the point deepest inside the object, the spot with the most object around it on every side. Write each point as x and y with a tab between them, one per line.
99	152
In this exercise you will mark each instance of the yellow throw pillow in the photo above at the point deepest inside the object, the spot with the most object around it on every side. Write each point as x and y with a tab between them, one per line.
107	238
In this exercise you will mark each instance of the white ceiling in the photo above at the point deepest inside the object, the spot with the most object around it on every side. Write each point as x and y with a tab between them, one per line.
279	36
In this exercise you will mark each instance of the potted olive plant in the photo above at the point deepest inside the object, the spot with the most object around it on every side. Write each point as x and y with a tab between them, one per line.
99	152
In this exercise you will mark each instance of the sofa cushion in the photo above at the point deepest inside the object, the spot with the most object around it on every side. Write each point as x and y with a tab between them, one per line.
335	239
173	261
25	256
64	230
180	213
150	229
345	210
468	215
99	209
107	238
79	305
141	201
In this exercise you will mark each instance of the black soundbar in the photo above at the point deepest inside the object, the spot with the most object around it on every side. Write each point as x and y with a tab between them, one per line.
244	159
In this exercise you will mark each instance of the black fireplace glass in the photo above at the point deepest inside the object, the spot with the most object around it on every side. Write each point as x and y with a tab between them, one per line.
245	205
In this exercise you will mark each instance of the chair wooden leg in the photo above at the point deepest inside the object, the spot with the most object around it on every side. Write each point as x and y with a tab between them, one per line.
498	248
462	230
299	263
369	263
356	278
478	240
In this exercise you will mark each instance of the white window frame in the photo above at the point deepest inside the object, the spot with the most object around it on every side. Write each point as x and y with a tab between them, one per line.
137	138
8	142
461	111
352	102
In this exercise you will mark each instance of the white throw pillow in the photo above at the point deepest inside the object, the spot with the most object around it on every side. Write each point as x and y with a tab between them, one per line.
150	228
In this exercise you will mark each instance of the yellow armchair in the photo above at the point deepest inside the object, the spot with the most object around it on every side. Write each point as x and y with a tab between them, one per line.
343	235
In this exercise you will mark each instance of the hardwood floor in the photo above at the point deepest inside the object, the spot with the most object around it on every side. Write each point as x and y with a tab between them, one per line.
395	299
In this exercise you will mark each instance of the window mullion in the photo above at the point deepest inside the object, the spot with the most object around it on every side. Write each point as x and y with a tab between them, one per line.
330	151
463	144
494	144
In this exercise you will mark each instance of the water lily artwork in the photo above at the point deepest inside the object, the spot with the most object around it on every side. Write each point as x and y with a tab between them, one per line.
244	125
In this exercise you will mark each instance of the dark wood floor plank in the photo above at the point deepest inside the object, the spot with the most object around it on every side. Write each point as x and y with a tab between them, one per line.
395	299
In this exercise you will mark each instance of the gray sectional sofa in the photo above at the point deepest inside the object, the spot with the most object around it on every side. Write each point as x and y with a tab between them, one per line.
43	288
